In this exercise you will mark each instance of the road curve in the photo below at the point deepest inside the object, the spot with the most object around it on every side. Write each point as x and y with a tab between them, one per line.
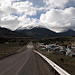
24	63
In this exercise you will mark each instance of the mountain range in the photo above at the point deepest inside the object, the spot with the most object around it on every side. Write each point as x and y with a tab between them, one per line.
36	32
4	32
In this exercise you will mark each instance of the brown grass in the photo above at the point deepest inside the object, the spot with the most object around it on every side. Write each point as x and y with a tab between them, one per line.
8	49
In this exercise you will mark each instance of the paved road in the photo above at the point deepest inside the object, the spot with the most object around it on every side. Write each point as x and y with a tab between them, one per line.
24	63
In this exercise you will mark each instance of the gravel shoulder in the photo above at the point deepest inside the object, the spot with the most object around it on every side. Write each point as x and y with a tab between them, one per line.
43	67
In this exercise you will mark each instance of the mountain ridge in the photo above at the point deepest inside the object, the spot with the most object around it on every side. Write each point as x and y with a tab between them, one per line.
44	32
36	32
5	32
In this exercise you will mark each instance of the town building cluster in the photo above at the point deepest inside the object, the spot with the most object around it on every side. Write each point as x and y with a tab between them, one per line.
68	51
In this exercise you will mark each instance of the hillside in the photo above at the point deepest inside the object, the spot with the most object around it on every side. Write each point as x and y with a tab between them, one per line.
69	32
4	32
37	32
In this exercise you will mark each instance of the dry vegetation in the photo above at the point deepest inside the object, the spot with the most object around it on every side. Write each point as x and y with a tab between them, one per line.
7	49
11	46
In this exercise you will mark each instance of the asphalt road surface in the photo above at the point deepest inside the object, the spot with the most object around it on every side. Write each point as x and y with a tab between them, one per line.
25	63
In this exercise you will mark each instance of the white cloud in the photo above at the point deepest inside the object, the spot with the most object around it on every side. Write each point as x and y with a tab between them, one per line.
6	7
56	15
8	18
19	10
55	3
24	8
57	18
26	21
9	21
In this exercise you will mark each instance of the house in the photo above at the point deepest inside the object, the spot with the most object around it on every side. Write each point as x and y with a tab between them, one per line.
63	51
70	52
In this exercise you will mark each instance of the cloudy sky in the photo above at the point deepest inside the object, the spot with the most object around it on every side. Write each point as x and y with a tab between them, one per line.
56	15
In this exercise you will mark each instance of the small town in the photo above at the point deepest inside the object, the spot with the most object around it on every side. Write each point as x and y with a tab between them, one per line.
68	51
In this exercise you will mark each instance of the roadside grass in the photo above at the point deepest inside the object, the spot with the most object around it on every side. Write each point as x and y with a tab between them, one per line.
8	49
10	45
65	62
